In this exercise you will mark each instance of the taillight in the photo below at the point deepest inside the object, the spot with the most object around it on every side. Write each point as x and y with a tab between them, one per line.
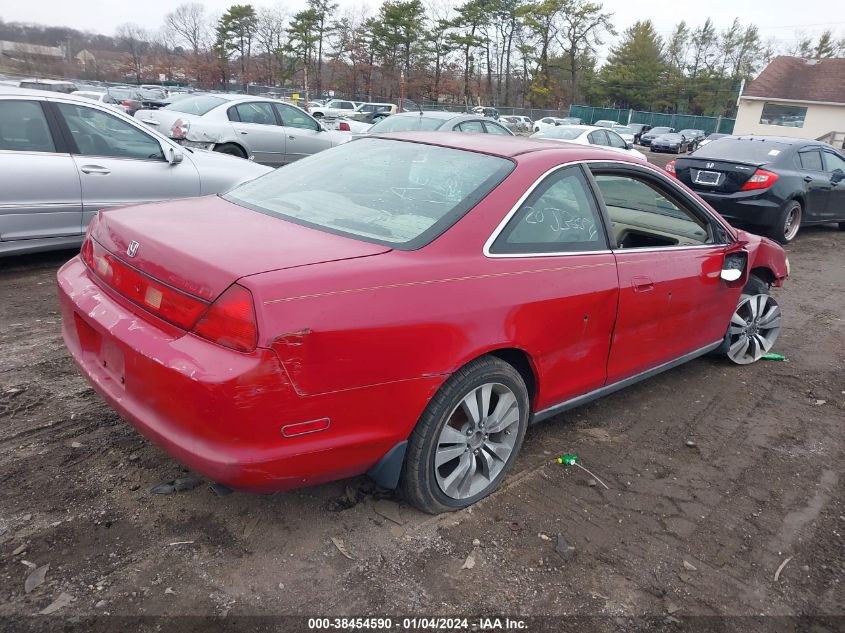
180	129
230	321
343	126
128	104
167	303
670	167
761	179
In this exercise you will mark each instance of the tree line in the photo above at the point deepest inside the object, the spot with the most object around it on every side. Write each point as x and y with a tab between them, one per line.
540	53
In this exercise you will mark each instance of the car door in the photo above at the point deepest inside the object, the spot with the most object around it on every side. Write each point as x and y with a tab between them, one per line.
834	166
304	135
260	130
119	163
568	308
669	254
817	185
39	188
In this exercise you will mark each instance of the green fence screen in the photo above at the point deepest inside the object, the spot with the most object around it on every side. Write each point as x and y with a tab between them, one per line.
677	121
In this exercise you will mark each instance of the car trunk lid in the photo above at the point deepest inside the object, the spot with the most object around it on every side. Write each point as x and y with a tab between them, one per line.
720	176
201	246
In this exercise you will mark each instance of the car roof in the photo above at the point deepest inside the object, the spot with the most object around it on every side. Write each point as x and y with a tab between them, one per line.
13	91
499	145
785	140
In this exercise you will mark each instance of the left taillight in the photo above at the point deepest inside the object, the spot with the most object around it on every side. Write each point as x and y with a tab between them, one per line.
230	320
166	303
343	126
670	167
180	129
761	179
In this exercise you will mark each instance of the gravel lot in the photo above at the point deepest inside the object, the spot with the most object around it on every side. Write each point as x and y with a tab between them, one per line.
683	530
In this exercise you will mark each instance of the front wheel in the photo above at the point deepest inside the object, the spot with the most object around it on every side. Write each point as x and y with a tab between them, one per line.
467	438
789	221
754	326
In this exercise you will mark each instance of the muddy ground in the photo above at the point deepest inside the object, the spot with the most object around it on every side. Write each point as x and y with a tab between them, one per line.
683	531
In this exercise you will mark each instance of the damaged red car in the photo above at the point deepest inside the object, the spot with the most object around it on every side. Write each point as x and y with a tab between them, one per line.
406	306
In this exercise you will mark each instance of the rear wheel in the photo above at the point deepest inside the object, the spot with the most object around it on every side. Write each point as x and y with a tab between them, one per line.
318	115
788	223
467	438
754	326
231	149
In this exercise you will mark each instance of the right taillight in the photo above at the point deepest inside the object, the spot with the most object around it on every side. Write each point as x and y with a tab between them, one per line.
761	179
670	167
230	321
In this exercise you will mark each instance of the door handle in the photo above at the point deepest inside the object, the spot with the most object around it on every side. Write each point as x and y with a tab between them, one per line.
293	138
244	133
808	179
642	284
95	169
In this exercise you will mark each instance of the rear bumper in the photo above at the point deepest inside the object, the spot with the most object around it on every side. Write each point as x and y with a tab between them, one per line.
220	412
753	208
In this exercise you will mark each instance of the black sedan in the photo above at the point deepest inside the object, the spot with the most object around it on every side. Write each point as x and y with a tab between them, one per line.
770	184
653	133
674	143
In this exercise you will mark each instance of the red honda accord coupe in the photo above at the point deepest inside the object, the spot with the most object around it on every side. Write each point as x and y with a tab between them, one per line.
405	306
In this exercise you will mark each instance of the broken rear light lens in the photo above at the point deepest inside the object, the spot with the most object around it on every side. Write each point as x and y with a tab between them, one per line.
230	321
180	129
761	179
670	167
167	303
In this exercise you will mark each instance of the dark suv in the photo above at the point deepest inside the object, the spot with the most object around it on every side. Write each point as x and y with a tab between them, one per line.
773	185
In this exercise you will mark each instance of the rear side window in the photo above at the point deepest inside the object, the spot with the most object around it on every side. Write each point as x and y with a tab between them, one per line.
23	127
559	216
259	113
493	128
472	127
598	138
810	160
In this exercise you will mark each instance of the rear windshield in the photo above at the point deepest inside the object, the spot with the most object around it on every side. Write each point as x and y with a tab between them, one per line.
195	105
380	190
563	133
406	124
742	150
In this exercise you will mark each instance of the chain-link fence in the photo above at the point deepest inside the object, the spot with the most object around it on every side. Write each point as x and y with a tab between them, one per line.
709	124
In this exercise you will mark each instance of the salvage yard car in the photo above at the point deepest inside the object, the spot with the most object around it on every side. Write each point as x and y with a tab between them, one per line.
405	306
771	184
63	158
269	131
590	135
673	142
438	120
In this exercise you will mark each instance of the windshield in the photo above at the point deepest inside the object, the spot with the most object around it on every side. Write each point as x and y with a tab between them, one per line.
621	129
406	124
195	105
560	132
659	130
390	192
742	150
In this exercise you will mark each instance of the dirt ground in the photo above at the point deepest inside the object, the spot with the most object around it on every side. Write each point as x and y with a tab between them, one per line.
683	531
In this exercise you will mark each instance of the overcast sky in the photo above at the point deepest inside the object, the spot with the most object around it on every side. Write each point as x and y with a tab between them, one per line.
779	19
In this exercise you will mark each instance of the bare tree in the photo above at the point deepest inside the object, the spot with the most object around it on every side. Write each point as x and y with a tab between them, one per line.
135	40
190	24
270	35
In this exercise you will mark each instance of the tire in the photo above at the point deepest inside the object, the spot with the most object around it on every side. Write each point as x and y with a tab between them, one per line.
786	227
842	226
757	320
468	449
231	149
317	115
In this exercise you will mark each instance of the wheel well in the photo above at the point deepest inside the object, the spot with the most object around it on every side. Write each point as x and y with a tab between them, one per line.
765	274
520	361
798	198
234	144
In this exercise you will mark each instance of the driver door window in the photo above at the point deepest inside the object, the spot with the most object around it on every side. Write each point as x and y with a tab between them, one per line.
291	117
644	216
559	216
616	140
99	134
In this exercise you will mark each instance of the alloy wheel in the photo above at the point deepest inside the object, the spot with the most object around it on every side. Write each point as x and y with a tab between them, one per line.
792	223
477	441
754	328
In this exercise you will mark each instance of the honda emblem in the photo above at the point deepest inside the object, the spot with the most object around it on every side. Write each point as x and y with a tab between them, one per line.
132	248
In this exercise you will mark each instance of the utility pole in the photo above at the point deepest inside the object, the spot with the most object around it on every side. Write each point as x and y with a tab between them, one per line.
305	70
401	90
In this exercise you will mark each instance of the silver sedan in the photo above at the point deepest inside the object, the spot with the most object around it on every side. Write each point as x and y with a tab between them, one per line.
269	131
65	158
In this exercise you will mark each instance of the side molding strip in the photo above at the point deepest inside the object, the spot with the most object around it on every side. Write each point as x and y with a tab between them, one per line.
545	414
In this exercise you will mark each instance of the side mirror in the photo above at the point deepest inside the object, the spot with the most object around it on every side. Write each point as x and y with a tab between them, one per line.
837	176
629	145
174	155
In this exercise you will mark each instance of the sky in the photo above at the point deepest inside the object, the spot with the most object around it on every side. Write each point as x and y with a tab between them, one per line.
777	19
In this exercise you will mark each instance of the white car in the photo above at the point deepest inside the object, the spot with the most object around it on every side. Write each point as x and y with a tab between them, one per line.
100	97
334	107
590	135
625	132
551	121
267	130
